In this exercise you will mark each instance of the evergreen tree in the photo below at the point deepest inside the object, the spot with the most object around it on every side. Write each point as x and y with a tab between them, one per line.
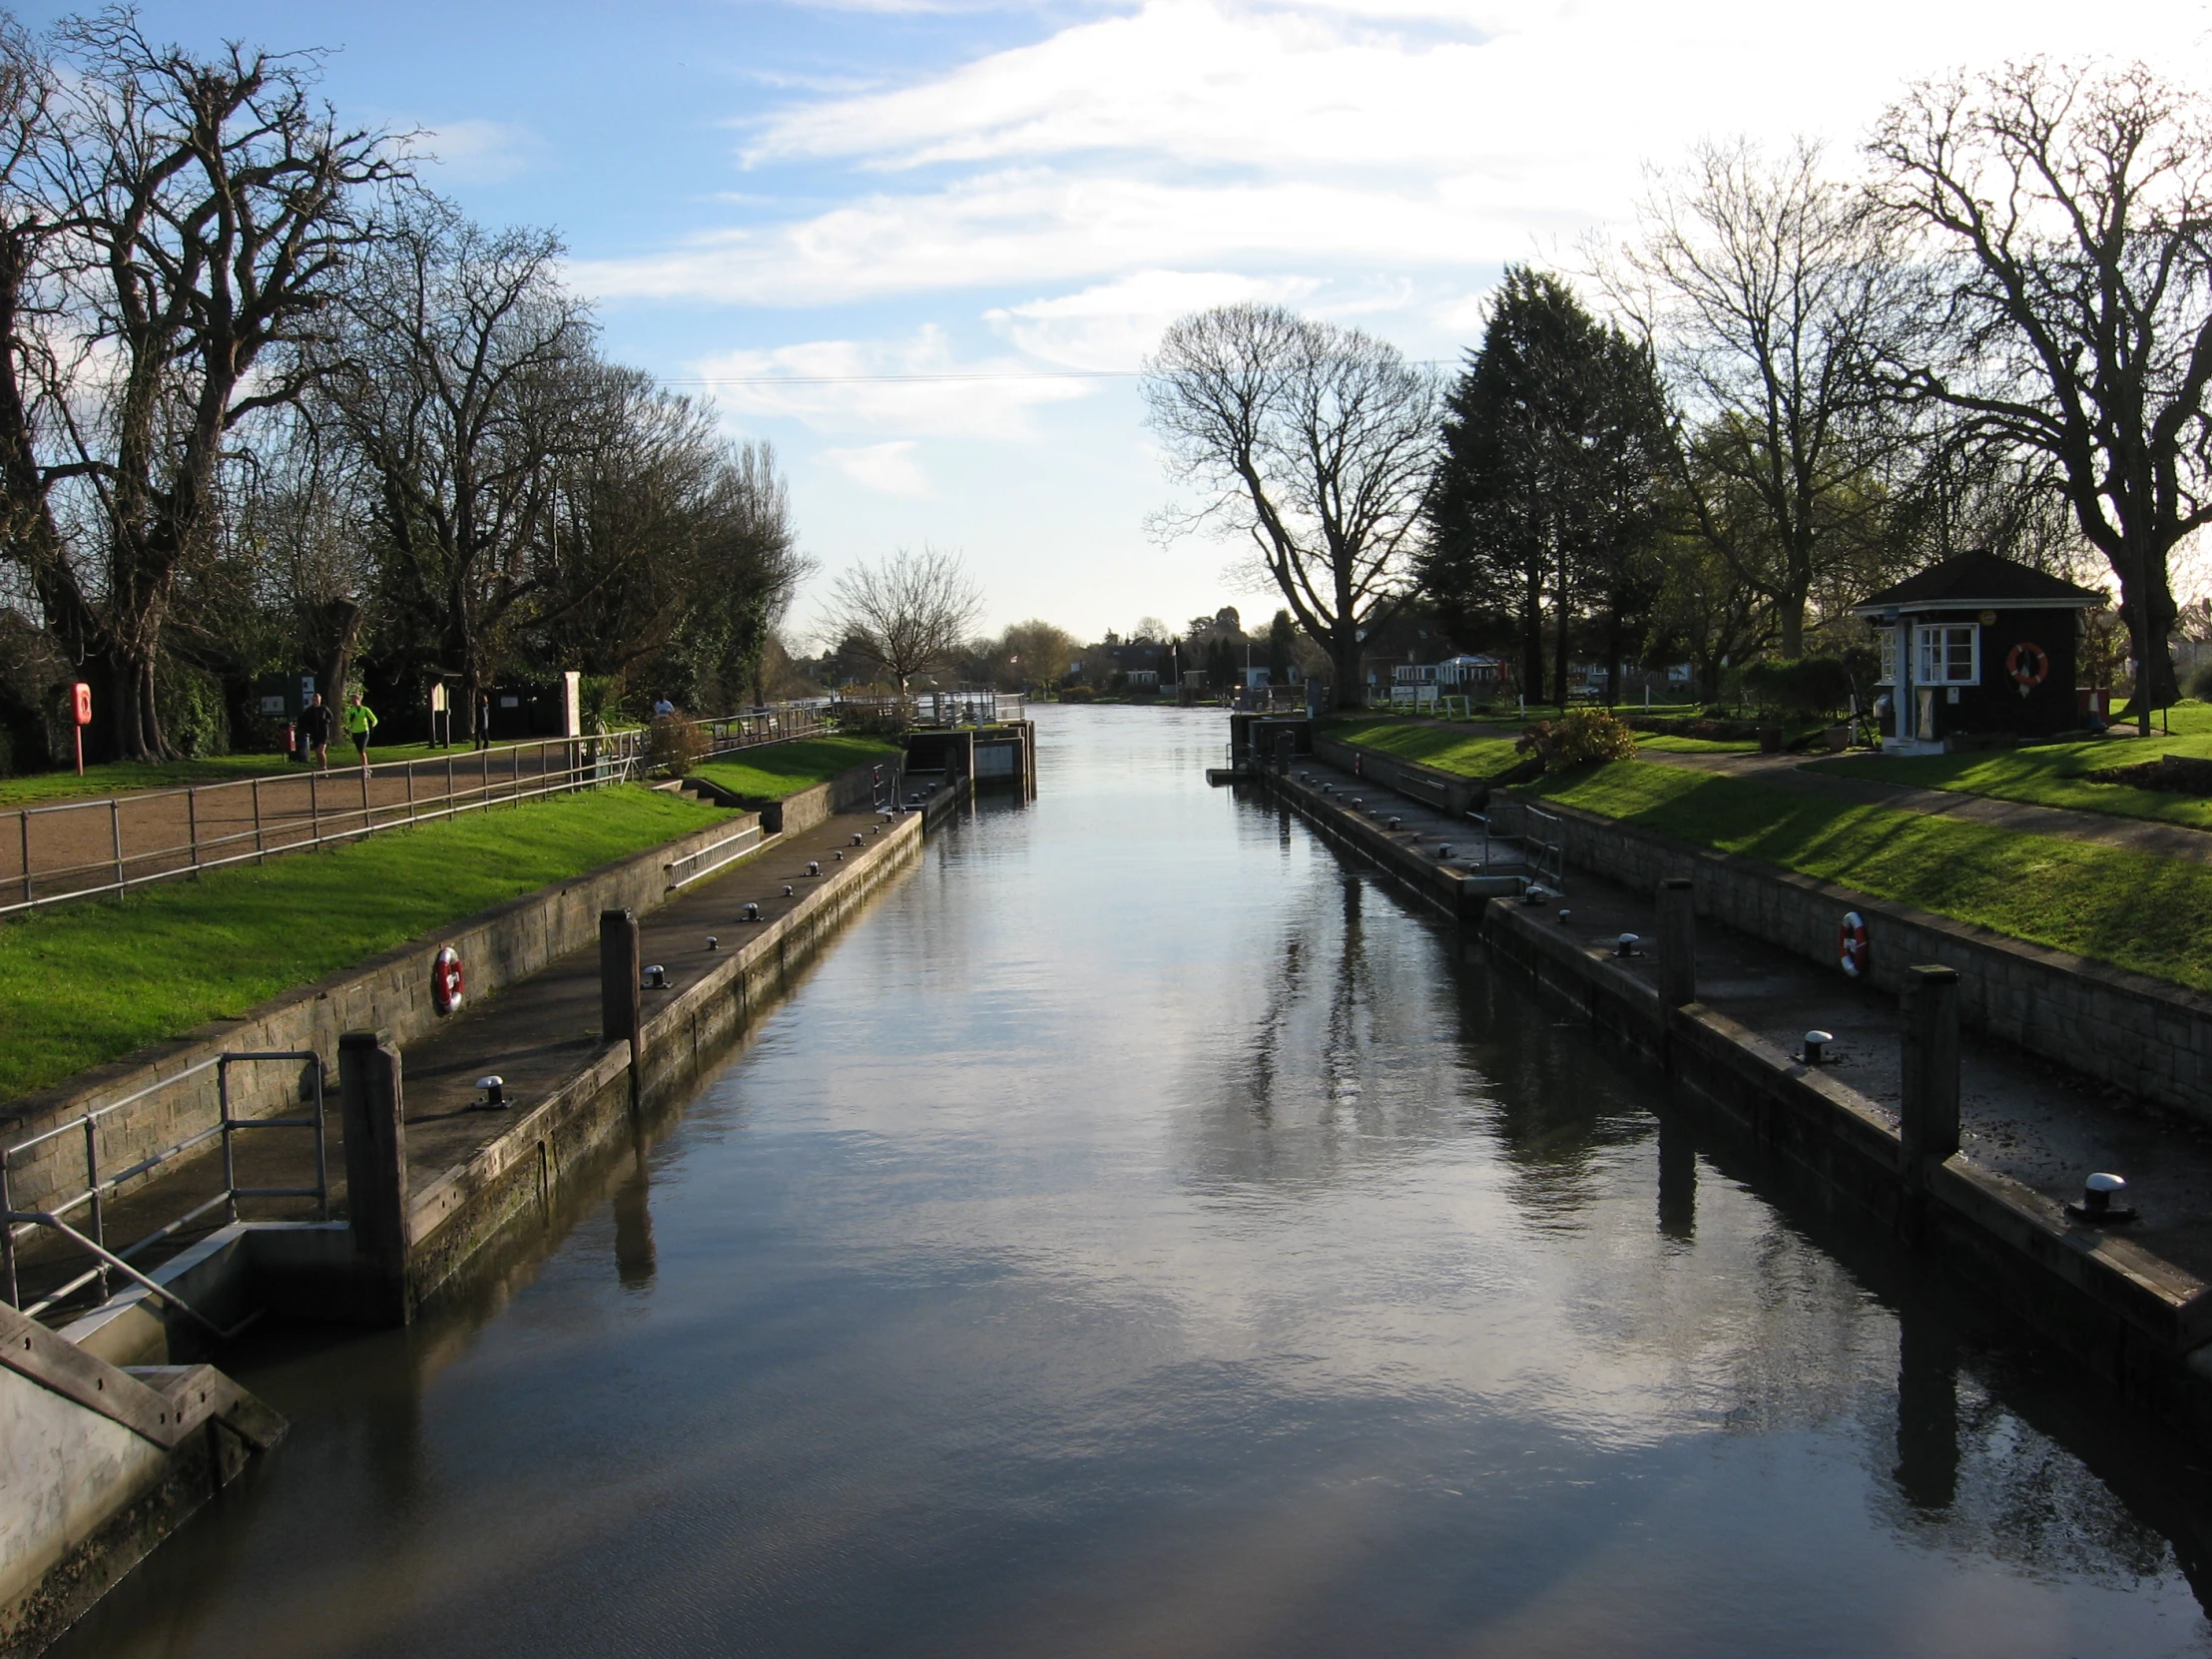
1549	487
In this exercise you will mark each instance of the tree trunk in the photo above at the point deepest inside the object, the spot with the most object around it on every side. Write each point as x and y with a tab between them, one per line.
2148	635
1351	694
1533	638
334	629
1790	616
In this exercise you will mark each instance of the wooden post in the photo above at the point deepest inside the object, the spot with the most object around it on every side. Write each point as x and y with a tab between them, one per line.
370	1106
1677	943
1928	1115
620	968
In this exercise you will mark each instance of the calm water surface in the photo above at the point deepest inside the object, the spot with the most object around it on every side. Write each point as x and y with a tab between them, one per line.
1143	1235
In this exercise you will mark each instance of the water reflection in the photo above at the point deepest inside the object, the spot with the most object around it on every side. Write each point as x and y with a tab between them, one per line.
1145	1235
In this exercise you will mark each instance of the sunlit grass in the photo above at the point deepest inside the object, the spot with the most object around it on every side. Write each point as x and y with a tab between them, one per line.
2134	909
89	981
778	770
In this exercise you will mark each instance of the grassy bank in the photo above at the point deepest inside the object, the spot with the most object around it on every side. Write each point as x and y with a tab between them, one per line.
1451	749
778	770
90	981
2133	909
2049	775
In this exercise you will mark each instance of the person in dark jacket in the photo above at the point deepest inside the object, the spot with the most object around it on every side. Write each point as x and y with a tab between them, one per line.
321	725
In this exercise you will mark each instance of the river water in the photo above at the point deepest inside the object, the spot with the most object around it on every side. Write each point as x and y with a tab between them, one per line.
1146	1235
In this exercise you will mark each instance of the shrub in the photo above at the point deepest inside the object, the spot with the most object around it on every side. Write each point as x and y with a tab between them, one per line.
1077	694
678	744
1580	736
1799	686
2200	681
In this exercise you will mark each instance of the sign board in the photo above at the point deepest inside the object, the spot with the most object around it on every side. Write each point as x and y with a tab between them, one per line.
572	704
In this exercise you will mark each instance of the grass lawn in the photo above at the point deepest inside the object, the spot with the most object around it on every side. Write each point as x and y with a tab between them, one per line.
776	770
2050	775
89	981
1667	744
2134	909
1446	747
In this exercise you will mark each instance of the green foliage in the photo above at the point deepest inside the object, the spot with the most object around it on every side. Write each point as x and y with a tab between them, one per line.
2200	681
1078	694
1578	737
677	746
87	982
2137	910
193	715
1800	687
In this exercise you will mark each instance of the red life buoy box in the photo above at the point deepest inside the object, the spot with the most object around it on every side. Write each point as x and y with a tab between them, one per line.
1851	953
447	984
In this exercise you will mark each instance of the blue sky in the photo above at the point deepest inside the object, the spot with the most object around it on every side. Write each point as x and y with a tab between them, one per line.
913	188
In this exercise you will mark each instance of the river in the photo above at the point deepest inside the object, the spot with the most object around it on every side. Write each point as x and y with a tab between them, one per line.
1145	1234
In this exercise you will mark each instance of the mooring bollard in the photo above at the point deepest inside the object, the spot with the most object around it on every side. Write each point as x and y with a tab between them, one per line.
1928	1115
375	1126
1677	943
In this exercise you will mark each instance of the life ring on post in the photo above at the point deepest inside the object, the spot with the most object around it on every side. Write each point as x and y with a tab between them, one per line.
446	984
2029	663
1852	950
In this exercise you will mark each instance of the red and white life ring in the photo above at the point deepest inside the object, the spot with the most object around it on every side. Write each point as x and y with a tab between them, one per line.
2029	663
446	987
1852	950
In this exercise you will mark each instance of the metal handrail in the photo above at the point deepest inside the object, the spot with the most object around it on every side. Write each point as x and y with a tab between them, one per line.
108	1257
589	763
1556	847
97	1186
751	835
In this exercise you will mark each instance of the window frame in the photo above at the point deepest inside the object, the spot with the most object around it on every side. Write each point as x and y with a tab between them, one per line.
1933	634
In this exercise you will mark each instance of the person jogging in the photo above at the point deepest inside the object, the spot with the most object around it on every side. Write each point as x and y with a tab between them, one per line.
360	719
317	728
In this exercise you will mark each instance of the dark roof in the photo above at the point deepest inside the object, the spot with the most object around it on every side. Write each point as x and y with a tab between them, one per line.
1978	578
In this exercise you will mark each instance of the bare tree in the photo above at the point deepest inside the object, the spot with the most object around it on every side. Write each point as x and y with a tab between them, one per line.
1769	294
459	382
1316	443
2069	213
906	615
179	225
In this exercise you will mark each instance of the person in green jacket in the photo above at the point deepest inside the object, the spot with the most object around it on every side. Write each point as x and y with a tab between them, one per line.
360	719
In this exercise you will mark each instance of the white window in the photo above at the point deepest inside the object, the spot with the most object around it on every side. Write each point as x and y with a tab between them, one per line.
1948	656
1889	658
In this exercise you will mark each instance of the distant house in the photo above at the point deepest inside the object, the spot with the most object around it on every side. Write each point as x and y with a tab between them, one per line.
1975	646
1148	676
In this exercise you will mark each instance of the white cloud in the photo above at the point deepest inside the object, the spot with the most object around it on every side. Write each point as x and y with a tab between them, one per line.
1207	135
475	152
885	468
840	386
1113	325
1040	225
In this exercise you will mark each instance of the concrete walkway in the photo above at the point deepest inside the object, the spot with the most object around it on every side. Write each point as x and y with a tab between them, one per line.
2022	1118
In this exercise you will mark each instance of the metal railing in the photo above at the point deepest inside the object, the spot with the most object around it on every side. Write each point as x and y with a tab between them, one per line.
732	847
245	822
100	1187
1532	818
726	733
